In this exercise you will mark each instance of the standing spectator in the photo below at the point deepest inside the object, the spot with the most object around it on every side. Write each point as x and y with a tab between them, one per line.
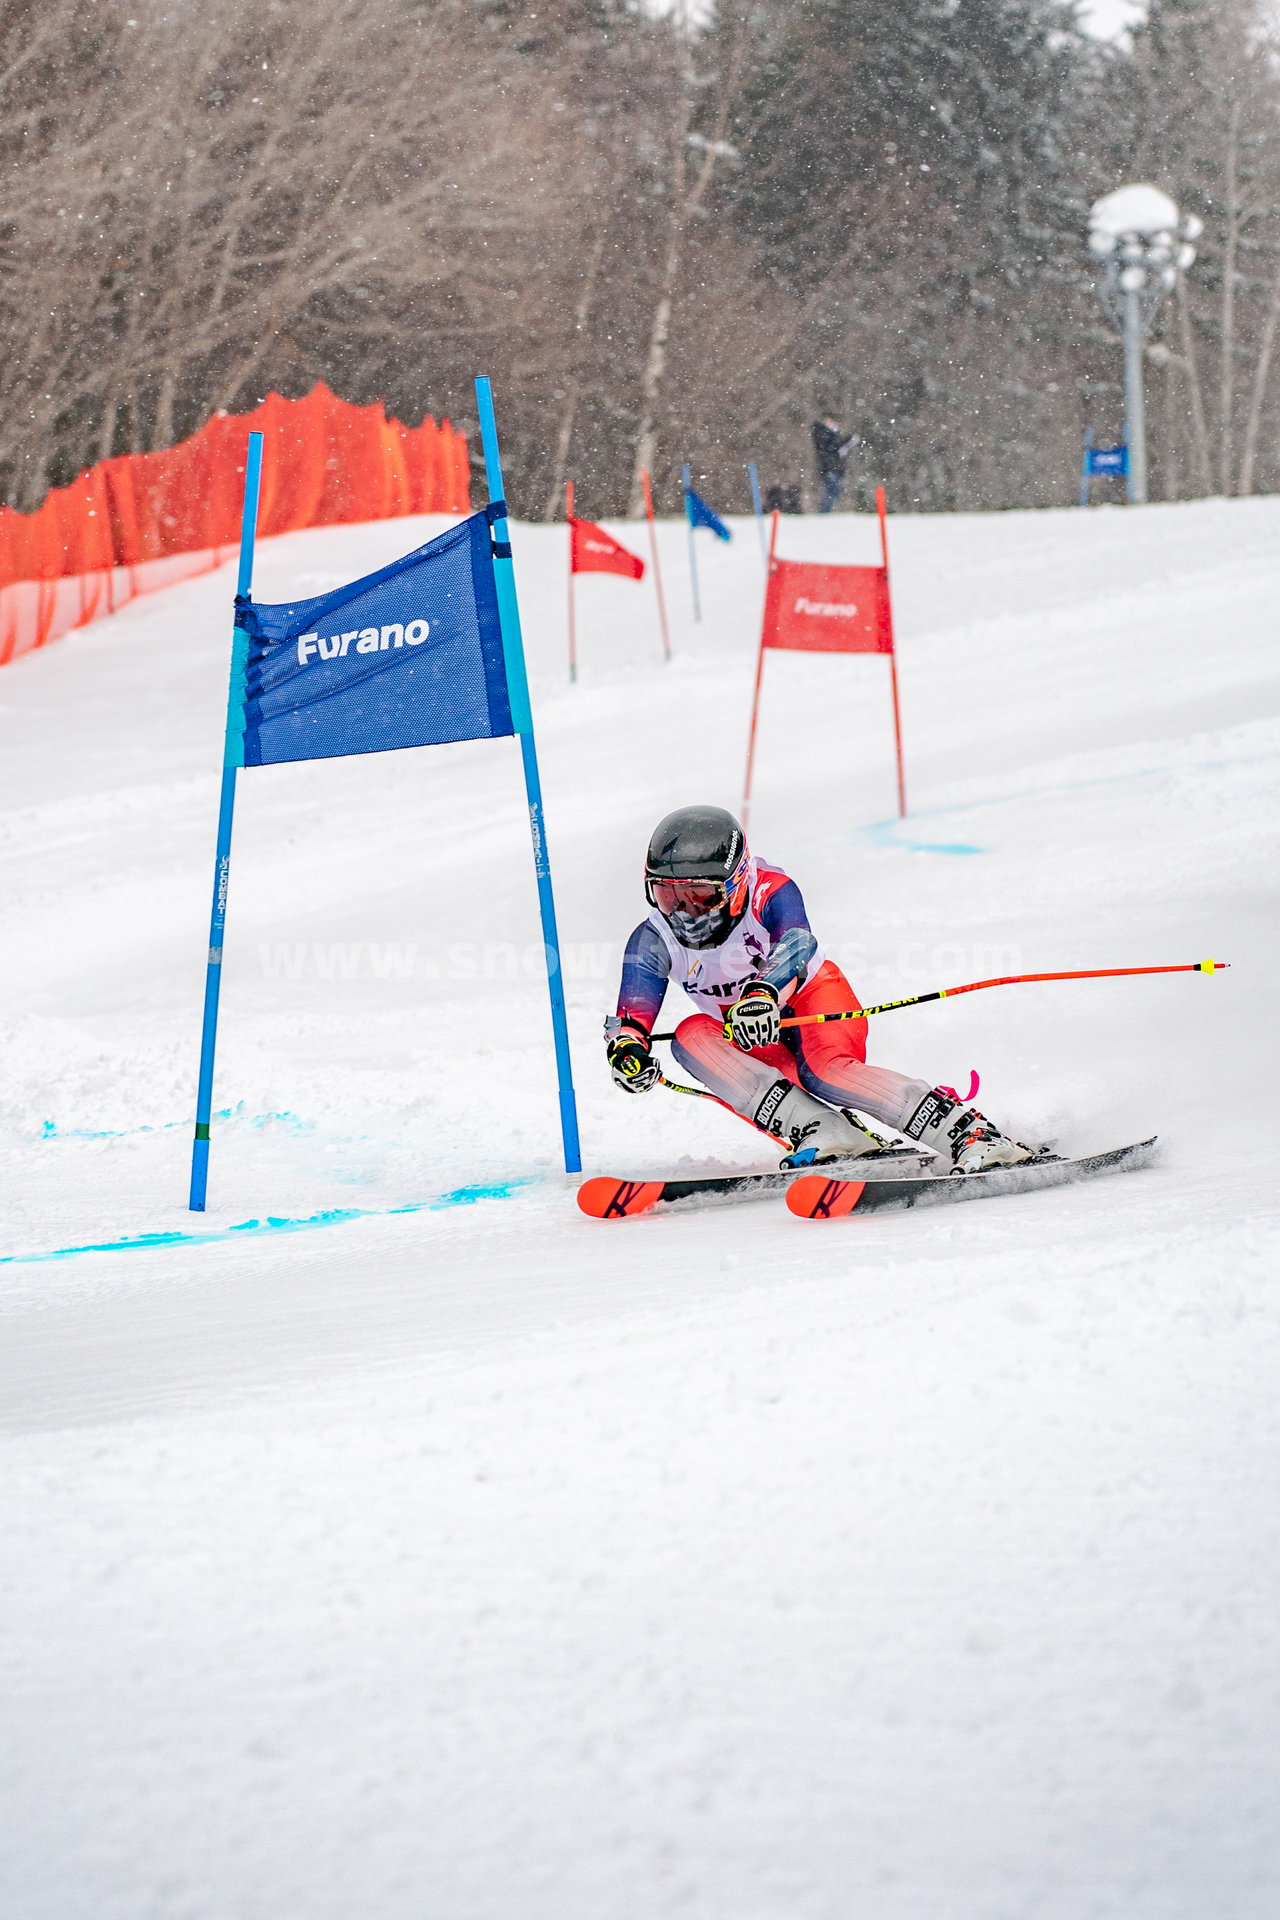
832	454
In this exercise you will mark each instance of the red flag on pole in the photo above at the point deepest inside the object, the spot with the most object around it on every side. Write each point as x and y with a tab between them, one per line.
595	551
592	550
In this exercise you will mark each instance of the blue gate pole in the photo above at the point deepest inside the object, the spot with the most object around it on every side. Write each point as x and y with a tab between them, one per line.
522	720
1084	470
693	551
232	758
757	507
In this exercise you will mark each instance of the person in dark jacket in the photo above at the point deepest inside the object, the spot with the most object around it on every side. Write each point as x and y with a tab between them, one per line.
832	454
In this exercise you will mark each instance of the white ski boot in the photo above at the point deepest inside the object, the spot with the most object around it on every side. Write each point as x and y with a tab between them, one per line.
814	1132
957	1132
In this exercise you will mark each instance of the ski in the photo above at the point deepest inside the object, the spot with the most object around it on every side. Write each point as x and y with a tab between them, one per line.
607	1198
817	1196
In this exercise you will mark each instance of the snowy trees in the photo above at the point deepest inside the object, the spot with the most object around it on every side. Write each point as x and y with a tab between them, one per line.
198	207
1199	103
920	166
660	239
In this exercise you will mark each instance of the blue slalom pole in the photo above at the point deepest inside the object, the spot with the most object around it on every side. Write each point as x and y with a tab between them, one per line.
1084	469
522	720
232	759
693	551
757	507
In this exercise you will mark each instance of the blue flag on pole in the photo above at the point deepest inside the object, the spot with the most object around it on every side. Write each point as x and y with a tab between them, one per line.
410	656
701	515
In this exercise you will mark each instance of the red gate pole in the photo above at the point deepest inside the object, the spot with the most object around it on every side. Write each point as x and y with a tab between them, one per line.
657	571
893	656
573	637
755	698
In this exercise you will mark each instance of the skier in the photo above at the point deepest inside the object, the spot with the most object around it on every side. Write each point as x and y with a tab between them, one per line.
731	929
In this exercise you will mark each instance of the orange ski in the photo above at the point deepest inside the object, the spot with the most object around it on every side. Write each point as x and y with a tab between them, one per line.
608	1199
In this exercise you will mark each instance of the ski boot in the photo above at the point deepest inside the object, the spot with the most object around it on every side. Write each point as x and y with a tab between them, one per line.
815	1133
955	1131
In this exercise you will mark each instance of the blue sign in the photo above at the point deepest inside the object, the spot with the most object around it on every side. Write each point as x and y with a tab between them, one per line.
410	656
1106	460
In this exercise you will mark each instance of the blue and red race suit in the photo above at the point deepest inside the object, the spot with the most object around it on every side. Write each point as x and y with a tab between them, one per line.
773	943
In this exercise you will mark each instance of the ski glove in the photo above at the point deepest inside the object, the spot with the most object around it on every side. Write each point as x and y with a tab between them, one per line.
631	1063
755	1021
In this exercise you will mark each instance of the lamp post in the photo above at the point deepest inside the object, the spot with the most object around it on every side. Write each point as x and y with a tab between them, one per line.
1142	244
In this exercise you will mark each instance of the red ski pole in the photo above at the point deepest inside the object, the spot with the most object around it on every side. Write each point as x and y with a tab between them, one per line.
974	986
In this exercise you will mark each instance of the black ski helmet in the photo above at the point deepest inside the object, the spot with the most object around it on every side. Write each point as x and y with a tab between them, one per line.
697	874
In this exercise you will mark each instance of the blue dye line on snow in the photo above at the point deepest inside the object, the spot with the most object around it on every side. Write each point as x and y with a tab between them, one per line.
293	1121
332	1217
888	833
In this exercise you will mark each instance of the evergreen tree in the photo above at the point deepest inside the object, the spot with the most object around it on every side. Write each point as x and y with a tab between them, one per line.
1195	109
925	161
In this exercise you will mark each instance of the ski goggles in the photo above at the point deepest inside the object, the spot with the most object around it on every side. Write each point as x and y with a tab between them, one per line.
690	897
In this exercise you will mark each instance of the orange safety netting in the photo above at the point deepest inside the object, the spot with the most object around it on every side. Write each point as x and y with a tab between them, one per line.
143	520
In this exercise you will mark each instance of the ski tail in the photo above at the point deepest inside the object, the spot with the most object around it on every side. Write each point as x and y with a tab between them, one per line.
609	1199
814	1198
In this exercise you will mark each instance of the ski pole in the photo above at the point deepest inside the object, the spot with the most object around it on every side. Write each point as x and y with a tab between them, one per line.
973	986
700	1093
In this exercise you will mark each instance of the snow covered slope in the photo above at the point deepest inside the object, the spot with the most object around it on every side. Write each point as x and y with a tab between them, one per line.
393	1541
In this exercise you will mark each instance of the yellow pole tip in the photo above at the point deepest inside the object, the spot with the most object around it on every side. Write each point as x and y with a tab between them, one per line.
1214	966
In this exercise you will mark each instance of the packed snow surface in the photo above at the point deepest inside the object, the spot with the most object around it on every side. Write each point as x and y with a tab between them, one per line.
393	1541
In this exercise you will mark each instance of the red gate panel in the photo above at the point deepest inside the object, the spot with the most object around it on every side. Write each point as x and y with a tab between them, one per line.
819	609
